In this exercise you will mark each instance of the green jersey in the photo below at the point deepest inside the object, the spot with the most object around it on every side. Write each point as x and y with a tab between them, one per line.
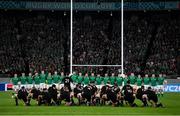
146	80
153	81
36	80
56	78
106	79
15	80
119	81
132	79
86	80
92	78
125	80
61	78
23	79
42	78
160	80
29	79
139	81
98	81
79	79
74	78
49	80
112	79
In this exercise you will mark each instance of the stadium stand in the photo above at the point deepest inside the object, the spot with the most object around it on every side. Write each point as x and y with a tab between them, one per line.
34	41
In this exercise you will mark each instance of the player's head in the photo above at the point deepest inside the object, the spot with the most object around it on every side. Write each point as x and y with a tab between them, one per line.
132	74
22	87
153	75
62	73
139	76
30	74
55	72
15	75
149	88
86	74
74	73
119	75
160	75
23	74
54	86
36	74
142	87
42	72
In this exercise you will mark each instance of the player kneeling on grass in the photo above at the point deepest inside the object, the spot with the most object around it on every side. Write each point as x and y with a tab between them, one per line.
33	94
139	95
112	95
53	94
78	92
152	97
65	94
44	98
21	95
128	94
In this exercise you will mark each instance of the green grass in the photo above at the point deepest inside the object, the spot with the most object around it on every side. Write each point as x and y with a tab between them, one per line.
7	107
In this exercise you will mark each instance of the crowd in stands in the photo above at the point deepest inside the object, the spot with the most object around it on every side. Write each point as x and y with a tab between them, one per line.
38	39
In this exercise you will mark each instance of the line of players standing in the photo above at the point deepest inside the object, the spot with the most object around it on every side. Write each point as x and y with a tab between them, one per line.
90	94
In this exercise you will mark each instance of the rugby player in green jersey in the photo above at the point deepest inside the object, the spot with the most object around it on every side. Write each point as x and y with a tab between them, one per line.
98	81
74	77
112	78
106	79
92	77
42	78
80	78
29	81
49	80
86	79
153	80
15	83
119	80
125	79
160	81
61	77
132	79
146	81
55	78
37	80
23	80
139	81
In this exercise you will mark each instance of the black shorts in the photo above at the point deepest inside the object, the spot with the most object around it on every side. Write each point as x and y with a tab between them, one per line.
130	99
87	96
65	96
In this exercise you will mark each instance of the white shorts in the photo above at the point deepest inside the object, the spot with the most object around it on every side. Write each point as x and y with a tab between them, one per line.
29	86
37	86
42	85
146	86
160	87
98	86
15	87
154	88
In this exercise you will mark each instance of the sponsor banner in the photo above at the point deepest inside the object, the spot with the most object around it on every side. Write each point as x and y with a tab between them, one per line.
172	88
89	6
3	87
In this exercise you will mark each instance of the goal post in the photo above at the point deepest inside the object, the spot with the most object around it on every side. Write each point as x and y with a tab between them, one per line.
71	42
